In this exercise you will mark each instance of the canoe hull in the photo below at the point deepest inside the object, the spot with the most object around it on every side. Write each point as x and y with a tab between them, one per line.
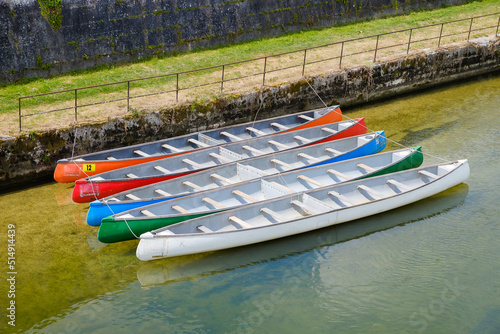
153	247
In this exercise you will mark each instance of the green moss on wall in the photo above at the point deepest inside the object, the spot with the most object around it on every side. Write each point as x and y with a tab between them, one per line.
52	11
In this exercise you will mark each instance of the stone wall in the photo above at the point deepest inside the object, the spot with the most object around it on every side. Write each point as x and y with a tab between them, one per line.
32	157
82	34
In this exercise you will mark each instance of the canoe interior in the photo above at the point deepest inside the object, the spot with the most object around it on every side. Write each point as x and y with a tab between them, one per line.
298	206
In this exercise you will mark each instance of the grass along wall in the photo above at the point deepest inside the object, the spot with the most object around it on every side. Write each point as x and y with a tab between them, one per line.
40	38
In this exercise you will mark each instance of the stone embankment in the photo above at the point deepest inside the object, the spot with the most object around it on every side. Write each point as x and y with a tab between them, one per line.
31	158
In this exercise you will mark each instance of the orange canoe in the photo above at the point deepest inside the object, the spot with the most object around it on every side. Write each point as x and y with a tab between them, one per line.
70	170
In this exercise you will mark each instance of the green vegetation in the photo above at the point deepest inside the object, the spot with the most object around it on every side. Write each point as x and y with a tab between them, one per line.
52	12
175	62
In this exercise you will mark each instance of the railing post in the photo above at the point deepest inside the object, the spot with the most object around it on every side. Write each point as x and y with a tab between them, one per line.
177	89
264	74
222	80
76	106
304	63
341	54
440	34
409	42
128	96
470	28
498	25
376	48
20	115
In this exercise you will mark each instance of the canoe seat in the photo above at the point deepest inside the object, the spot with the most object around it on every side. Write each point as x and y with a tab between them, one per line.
256	131
306	208
197	142
192	163
132	176
219	157
179	208
192	185
161	169
273	214
204	229
339	174
133	197
162	192
333	151
240	222
366	167
148	213
113	199
309	180
221	178
308	157
279	126
110	158
329	130
399	185
280	145
282	187
373	193
141	153
307	118
245	196
253	150
279	162
428	174
231	136
171	148
344	200
302	139
213	202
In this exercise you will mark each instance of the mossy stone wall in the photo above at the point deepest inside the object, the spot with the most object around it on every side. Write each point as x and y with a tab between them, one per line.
38	39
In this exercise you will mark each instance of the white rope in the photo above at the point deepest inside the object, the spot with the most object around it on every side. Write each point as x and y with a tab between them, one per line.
92	185
388	139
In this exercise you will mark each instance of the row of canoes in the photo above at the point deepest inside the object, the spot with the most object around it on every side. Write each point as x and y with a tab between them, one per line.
249	183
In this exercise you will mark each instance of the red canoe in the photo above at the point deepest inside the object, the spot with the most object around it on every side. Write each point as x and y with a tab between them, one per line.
112	182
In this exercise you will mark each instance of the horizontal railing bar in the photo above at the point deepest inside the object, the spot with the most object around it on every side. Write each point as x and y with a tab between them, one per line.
103	102
46	112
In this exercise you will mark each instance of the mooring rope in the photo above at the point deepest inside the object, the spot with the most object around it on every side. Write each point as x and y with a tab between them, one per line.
92	185
366	127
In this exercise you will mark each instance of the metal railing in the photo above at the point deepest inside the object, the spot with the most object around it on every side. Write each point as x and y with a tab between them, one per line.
265	71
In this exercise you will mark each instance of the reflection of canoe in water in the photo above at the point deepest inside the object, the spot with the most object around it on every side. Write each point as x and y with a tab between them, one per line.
127	225
299	158
294	214
191	267
115	181
69	170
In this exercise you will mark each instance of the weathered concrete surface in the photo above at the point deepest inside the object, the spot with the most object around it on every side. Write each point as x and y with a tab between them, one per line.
32	157
83	34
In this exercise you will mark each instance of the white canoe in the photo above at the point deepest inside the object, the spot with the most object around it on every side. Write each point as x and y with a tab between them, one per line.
294	214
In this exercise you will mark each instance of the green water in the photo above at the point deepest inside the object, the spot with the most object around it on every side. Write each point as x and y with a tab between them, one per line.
431	267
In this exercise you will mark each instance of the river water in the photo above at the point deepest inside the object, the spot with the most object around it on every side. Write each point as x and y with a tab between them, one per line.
431	267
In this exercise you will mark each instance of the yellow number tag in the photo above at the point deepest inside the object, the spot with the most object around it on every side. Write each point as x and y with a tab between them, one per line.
88	167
